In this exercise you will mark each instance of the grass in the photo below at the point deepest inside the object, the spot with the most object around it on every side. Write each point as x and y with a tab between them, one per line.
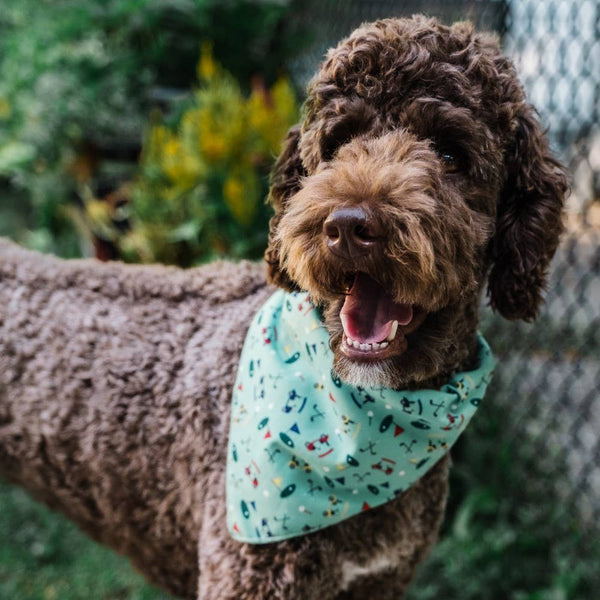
45	557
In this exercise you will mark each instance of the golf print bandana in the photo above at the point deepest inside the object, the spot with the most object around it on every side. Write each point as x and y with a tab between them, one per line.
306	450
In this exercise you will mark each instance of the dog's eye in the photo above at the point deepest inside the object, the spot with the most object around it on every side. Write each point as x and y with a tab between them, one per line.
453	158
449	161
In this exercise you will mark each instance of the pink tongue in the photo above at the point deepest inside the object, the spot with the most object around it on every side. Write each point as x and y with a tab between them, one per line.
369	311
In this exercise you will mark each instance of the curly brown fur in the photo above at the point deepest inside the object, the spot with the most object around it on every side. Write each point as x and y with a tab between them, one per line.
432	257
388	103
115	385
115	381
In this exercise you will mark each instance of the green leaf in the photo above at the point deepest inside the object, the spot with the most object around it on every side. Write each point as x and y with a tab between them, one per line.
186	232
15	155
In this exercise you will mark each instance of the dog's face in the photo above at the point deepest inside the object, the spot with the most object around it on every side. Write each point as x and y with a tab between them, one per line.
417	169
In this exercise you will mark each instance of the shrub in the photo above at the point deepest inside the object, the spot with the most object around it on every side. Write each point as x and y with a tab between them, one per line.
78	81
202	183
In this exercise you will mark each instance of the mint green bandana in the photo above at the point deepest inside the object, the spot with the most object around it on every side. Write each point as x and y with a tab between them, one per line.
306	450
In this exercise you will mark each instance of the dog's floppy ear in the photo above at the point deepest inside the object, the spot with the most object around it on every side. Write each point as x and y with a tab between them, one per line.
529	221
285	181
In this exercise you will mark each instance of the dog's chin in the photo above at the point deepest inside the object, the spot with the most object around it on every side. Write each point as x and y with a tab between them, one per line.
374	374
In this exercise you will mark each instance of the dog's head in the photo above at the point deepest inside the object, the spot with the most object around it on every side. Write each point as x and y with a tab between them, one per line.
418	170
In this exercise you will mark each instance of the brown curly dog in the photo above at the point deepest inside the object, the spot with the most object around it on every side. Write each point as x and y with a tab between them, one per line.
418	171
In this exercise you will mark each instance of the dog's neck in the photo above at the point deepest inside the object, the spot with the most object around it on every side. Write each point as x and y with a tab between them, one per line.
464	356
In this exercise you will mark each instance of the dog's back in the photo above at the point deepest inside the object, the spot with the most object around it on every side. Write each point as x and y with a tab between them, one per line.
115	386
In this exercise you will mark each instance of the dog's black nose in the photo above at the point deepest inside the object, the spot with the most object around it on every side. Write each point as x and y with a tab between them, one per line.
351	232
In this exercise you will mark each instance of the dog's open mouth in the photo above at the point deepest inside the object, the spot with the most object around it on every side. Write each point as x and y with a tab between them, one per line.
375	326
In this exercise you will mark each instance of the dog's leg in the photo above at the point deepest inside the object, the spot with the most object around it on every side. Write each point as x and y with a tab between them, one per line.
300	570
372	555
115	385
303	568
385	552
389	584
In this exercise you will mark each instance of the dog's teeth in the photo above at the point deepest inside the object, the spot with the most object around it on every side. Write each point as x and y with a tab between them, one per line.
383	345
375	346
364	346
392	334
348	341
356	344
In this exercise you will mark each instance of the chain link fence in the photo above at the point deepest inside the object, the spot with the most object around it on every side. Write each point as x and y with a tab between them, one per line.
544	406
556	48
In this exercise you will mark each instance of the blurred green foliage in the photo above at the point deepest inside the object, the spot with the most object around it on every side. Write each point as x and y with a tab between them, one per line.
45	557
78	80
202	184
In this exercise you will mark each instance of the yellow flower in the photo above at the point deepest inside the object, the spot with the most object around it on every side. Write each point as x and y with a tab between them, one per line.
5	108
222	136
271	113
98	211
240	191
172	148
215	128
260	115
213	146
166	151
284	101
207	66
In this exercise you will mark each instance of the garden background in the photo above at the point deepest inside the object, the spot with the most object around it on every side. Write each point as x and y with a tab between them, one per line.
144	130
